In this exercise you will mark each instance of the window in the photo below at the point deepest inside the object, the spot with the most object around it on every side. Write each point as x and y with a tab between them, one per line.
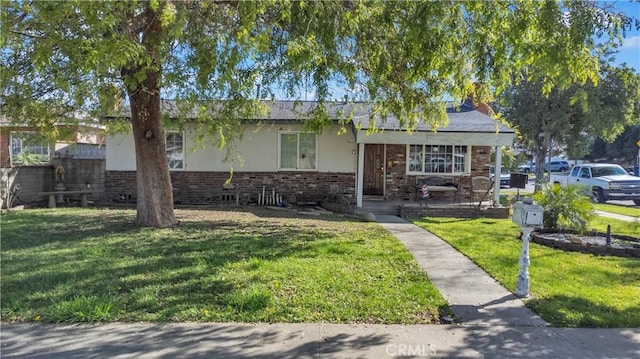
297	151
584	173
28	150
575	171
437	158
175	150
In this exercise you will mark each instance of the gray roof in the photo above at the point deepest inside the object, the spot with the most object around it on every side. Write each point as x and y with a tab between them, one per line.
79	118
464	118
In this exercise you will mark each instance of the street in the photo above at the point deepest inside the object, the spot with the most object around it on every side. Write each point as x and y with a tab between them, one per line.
530	188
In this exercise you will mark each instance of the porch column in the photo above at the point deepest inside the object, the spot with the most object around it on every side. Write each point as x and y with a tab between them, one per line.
360	175
497	170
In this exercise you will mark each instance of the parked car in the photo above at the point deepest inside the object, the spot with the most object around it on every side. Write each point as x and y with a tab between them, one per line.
554	166
602	181
527	167
557	166
505	176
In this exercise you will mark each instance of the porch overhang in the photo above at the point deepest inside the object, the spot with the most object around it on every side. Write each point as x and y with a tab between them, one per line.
436	138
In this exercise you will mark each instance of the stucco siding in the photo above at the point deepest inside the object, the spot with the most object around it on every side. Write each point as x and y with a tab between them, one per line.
120	152
256	152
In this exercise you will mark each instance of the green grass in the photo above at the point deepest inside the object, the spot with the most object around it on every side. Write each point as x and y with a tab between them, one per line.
617	226
627	211
79	265
568	289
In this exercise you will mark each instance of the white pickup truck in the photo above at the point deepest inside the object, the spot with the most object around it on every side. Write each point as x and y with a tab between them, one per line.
603	181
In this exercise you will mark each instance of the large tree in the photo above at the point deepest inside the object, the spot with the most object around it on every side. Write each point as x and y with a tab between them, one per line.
405	57
624	149
570	118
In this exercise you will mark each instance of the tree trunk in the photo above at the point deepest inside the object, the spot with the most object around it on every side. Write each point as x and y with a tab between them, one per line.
541	146
153	180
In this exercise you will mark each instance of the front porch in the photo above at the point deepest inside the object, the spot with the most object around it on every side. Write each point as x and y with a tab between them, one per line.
393	161
434	208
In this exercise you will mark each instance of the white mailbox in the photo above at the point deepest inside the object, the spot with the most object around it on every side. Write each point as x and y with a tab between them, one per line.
527	214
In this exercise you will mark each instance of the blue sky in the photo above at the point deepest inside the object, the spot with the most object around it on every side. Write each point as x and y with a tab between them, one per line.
629	52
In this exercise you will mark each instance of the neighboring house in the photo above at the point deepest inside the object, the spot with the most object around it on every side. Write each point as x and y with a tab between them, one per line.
278	156
21	145
28	158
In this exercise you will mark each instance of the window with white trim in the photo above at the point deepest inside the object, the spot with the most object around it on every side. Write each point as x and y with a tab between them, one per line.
27	149
175	150
297	151
446	159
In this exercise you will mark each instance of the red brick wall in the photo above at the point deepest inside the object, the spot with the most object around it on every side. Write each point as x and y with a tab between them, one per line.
458	212
399	185
480	160
4	147
208	187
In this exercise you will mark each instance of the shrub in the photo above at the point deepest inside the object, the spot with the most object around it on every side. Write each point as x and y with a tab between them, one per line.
565	207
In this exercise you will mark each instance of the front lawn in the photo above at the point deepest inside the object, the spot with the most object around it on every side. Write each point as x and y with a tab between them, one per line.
87	265
617	226
568	289
624	210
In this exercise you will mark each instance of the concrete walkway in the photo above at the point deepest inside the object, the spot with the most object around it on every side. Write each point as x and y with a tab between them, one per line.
616	216
474	296
494	324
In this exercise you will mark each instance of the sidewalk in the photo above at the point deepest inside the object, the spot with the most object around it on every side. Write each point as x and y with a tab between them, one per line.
494	324
195	341
616	216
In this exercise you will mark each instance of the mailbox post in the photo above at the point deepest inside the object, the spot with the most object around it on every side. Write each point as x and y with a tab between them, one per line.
528	216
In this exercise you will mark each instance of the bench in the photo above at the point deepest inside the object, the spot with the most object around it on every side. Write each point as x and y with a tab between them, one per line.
52	196
436	184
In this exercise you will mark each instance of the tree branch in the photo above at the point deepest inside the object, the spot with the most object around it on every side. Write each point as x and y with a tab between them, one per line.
25	34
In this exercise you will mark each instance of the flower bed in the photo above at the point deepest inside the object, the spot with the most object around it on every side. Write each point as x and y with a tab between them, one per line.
592	242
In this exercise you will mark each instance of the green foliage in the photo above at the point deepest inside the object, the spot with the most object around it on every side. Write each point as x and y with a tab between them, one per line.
404	56
84	308
26	158
510	160
565	207
618	150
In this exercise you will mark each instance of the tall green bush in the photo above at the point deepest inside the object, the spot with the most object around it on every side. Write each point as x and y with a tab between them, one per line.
565	207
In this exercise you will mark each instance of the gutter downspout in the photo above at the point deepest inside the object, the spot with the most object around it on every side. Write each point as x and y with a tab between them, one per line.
360	175
497	171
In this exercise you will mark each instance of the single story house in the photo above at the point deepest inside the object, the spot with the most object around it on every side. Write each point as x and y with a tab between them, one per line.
278	158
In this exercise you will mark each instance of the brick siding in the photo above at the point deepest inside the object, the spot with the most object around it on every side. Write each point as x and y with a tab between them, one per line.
399	185
210	188
458	212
